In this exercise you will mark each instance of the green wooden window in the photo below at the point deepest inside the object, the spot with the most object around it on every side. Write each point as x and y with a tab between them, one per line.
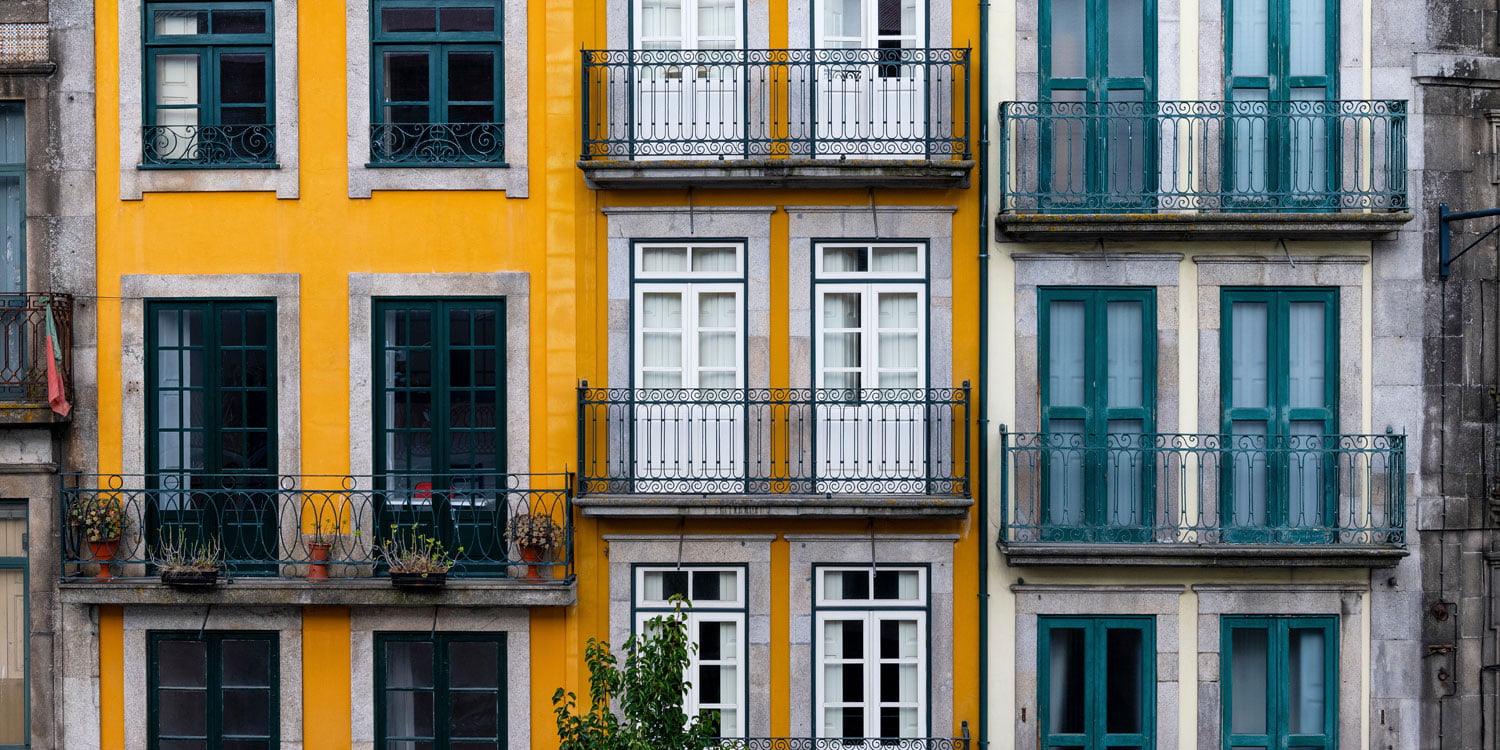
213	690
440	691
211	425
437	82
1280	682
1280	362
12	204
210	83
439	427
1098	73
1282	51
15	628
1097	369
1098	682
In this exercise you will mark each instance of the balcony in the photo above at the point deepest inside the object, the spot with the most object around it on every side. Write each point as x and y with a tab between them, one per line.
1234	500
208	146
266	526
896	452
776	118
24	355
848	743
1184	169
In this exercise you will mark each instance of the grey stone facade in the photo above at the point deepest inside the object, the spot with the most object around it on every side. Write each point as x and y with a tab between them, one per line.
57	89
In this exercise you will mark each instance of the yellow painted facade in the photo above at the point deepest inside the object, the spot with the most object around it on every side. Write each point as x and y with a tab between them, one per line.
556	235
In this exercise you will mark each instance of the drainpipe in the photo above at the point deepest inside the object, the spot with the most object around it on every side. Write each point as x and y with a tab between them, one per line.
982	489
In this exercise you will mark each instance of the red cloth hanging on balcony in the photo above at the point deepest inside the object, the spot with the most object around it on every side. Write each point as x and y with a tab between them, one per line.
57	396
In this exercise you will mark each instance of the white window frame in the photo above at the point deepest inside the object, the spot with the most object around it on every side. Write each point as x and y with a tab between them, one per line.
869	247
869	356
722	610
690	285
639	253
689	27
872	612
870	35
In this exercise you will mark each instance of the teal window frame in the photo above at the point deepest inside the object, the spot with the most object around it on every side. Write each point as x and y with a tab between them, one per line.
440	141
1250	118
1096	414
1095	683
442	689
214	685
479	532
1096	119
17	509
1278	710
14	112
248	145
1278	416
241	502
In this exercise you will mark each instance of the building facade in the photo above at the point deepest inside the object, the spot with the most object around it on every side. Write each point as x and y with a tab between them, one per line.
685	305
1204	375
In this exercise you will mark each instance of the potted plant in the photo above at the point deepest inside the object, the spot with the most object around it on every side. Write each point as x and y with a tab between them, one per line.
536	534
189	564
101	520
318	549
415	560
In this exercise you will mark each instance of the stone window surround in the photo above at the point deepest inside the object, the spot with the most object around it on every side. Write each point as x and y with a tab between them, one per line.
134	181
749	224
514	286
932	225
750	550
1346	272
932	550
512	179
1159	271
1088	600
285	620
1344	601
365	622
285	288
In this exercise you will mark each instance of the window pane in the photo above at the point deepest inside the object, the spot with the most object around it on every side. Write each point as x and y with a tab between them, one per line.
183	712
246	663
182	663
1251	38
475	715
408	664
467	19
1249	363
242	79
711	586
177	85
1125	321
471	76
1068	28
181	22
1065	352
663	259
474	664
247	712
1123	681
663	585
845	259
406	76
1306	696
715	259
239	22
1065	701
1309	21
1307	362
408	713
1249	662
894	259
408	19
1127	39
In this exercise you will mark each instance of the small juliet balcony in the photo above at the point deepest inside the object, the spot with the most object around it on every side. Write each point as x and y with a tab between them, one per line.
1196	499
36	330
886	117
208	147
762	452
266	528
1182	169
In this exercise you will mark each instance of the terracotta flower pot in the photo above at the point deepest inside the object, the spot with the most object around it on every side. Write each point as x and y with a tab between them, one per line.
532	555
104	553
317	570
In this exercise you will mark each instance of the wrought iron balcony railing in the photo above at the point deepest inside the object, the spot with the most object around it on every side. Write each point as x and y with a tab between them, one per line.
848	743
24	353
1207	156
209	145
764	441
267	525
904	103
1193	490
438	144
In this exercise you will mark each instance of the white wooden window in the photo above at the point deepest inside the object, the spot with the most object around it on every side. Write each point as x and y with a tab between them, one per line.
872	652
716	624
869	94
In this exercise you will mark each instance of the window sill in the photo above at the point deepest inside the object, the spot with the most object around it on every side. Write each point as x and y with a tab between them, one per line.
435	165
378	592
776	173
1218	555
773	506
1047	227
203	167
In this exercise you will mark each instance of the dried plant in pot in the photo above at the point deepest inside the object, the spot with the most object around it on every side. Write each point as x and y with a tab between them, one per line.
536	535
185	564
319	549
415	560
101	521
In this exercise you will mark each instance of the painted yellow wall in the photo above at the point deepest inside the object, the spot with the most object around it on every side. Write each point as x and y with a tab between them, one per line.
557	235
